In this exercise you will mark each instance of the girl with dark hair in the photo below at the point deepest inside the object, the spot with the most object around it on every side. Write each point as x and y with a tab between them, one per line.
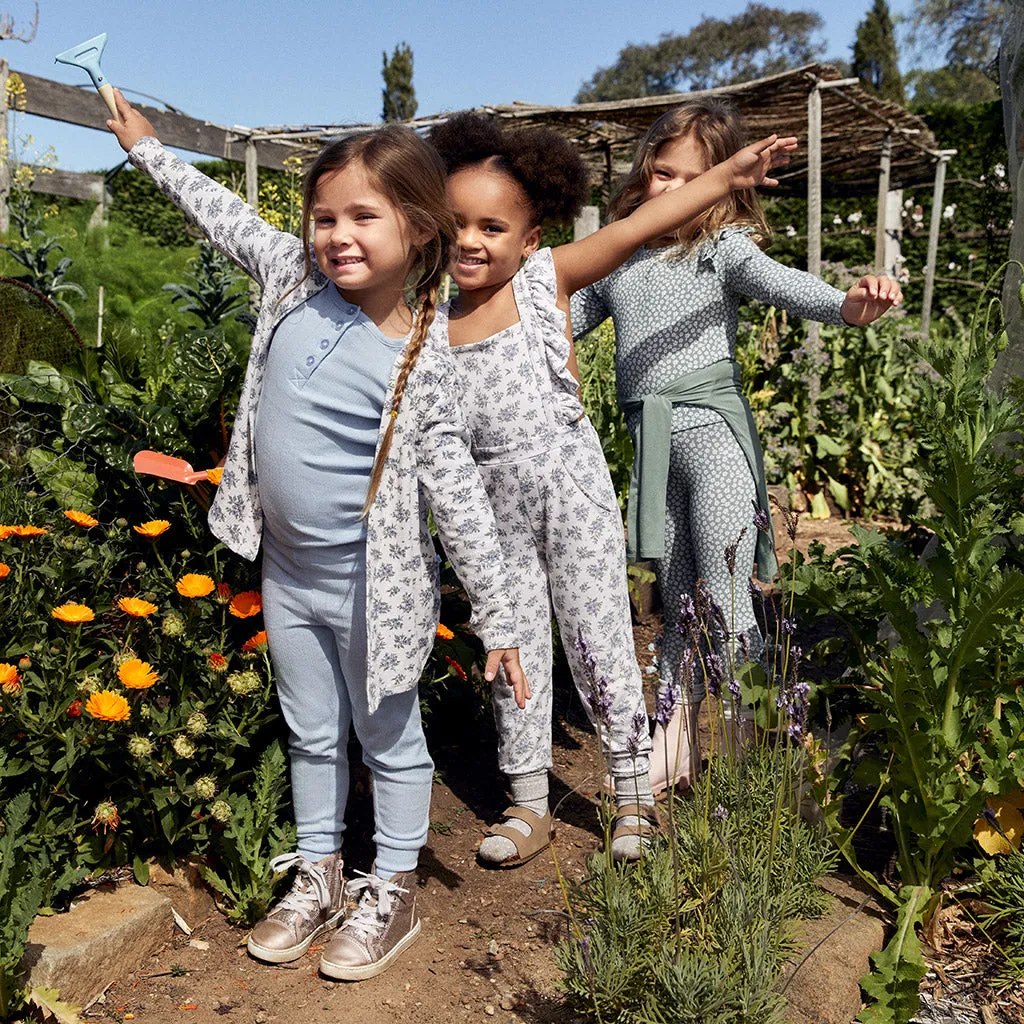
347	429
540	458
698	472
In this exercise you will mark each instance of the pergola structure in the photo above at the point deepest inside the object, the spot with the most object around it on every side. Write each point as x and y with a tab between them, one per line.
855	142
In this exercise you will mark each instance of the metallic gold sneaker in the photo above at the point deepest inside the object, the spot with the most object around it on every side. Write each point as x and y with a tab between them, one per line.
373	935
316	902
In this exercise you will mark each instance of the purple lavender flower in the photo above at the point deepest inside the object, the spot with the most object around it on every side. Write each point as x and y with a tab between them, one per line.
730	552
687	613
787	626
637	732
720	813
715	668
762	520
669	696
734	688
744	648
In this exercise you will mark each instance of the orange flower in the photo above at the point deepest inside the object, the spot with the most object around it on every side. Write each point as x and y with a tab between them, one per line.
26	531
10	681
223	593
256	642
5	570
455	668
217	662
246	604
136	607
137	674
214	475
194	584
444	633
75	614
153	528
106	817
81	518
6	531
74	709
108	706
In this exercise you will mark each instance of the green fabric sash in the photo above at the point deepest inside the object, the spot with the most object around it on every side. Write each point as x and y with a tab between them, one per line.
715	387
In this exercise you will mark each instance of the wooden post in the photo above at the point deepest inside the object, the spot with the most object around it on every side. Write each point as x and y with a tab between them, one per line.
814	181
252	197
5	171
588	221
99	318
893	244
883	198
933	242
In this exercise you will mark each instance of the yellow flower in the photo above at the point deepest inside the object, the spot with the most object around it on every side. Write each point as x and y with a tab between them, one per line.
194	584
245	604
81	518
73	613
5	570
10	681
214	475
136	607
137	674
444	633
153	528
108	706
1002	815
256	642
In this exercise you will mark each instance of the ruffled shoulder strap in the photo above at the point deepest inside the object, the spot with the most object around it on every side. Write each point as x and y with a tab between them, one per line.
709	252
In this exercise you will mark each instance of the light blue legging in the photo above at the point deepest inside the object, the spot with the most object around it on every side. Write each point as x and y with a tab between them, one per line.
315	612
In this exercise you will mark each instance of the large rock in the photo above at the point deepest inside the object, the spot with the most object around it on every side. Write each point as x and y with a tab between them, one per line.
188	893
106	934
825	988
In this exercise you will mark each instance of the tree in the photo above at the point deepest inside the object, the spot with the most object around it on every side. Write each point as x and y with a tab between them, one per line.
875	61
970	28
398	93
951	84
9	30
760	41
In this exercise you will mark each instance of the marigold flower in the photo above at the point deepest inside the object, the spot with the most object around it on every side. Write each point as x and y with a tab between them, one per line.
214	475
10	681
183	746
106	817
73	613
136	607
153	528
6	531
28	531
220	810
197	724
243	683
173	625
223	593
108	706
217	662
444	633
246	604
81	518
205	787
140	747
194	584
24	663
1001	826
90	683
5	570
137	674
257	642
74	709
455	668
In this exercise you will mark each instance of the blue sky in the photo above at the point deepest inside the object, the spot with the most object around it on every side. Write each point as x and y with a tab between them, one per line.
252	63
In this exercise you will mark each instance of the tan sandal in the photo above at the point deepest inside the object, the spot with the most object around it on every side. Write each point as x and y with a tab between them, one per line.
646	828
542	831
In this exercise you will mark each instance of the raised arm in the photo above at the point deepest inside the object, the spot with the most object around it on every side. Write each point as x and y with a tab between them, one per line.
232	225
581	263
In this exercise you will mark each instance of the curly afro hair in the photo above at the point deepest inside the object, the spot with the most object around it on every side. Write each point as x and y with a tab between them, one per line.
546	166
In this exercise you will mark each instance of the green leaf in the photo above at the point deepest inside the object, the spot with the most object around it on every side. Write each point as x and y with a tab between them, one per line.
840	494
69	483
819	507
140	869
48	1002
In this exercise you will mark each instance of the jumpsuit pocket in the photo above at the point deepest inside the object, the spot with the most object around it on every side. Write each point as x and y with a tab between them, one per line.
584	459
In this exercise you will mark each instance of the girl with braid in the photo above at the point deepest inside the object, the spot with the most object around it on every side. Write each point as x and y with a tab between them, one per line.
698	475
541	460
348	429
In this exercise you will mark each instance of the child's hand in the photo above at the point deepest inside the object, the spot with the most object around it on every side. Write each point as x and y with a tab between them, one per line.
513	672
133	125
749	167
869	298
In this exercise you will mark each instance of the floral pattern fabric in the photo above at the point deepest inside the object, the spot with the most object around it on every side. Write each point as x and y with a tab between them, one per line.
429	463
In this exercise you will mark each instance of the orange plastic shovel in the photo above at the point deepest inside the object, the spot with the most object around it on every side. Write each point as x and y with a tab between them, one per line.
168	467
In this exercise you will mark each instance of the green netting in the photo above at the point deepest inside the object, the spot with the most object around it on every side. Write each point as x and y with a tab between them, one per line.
32	327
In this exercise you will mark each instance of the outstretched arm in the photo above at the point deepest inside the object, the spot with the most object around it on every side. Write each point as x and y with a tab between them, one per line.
869	298
581	263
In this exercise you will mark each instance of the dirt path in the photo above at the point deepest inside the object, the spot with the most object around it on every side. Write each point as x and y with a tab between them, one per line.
488	939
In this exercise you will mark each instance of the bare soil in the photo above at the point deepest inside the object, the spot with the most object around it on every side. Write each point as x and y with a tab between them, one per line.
487	945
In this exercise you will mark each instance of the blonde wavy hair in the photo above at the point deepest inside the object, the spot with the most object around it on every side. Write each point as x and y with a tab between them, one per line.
717	129
403	168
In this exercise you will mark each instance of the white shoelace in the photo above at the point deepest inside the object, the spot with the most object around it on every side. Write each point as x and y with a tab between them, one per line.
374	907
310	892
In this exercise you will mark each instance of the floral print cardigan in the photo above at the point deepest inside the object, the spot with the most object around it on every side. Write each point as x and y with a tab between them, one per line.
429	463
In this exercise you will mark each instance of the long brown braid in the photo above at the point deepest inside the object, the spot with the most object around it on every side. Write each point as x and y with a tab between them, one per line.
404	169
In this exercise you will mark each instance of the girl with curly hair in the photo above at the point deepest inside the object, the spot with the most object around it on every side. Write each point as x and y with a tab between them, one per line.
540	458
